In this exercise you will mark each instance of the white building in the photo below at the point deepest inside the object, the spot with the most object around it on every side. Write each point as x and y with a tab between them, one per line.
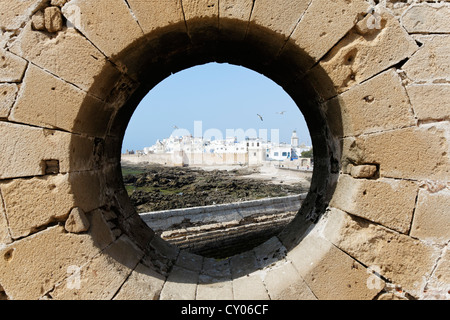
256	151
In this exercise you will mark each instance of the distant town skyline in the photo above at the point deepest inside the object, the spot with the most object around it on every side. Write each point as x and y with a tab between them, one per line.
225	98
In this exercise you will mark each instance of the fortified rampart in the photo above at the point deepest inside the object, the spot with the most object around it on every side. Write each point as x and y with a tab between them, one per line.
373	82
227	229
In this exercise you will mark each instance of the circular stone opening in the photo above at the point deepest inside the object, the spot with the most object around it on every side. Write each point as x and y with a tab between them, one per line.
157	56
217	159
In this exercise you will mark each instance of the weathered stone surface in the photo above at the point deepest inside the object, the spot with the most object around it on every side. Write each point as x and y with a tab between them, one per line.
8	94
5	238
427	18
154	14
197	9
385	201
329	272
38	21
283	282
249	287
363	171
430	101
419	153
99	21
281	20
54	52
53	19
234	9
77	221
431	62
47	101
102	277
12	67
325	23
432	216
362	53
378	104
58	3
210	288
180	285
401	259
437	286
14	13
24	161
33	203
143	284
44	259
189	261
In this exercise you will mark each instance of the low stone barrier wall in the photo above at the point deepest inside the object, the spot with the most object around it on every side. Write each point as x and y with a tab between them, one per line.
221	231
175	219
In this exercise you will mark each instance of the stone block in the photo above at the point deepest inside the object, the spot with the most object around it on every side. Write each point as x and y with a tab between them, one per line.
53	19
143	284
363	171
69	56
361	54
249	287
47	101
13	14
283	282
404	261
427	18
419	153
324	24
216	268
23	161
430	101
198	9
430	64
58	3
189	261
234	9
378	104
388	202
33	203
437	286
5	237
38	21
8	94
154	14
280	19
102	277
77	221
210	288
432	216
31	267
12	67
202	20
99	21
242	264
180	285
330	273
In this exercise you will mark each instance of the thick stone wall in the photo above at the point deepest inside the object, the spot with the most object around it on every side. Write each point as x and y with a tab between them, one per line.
372	82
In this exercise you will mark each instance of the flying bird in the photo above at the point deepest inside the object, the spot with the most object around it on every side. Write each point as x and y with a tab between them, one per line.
282	112
260	117
175	127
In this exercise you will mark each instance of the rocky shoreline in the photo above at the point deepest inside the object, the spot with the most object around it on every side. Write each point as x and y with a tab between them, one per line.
156	188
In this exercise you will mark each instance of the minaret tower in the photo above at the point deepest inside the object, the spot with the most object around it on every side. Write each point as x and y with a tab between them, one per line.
294	139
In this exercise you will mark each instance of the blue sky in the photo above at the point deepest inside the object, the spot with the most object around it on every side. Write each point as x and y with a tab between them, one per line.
224	98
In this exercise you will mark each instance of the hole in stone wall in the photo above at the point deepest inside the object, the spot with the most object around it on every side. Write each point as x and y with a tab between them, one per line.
217	159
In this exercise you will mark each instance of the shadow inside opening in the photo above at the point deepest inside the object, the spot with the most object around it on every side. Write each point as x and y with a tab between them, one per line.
216	191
